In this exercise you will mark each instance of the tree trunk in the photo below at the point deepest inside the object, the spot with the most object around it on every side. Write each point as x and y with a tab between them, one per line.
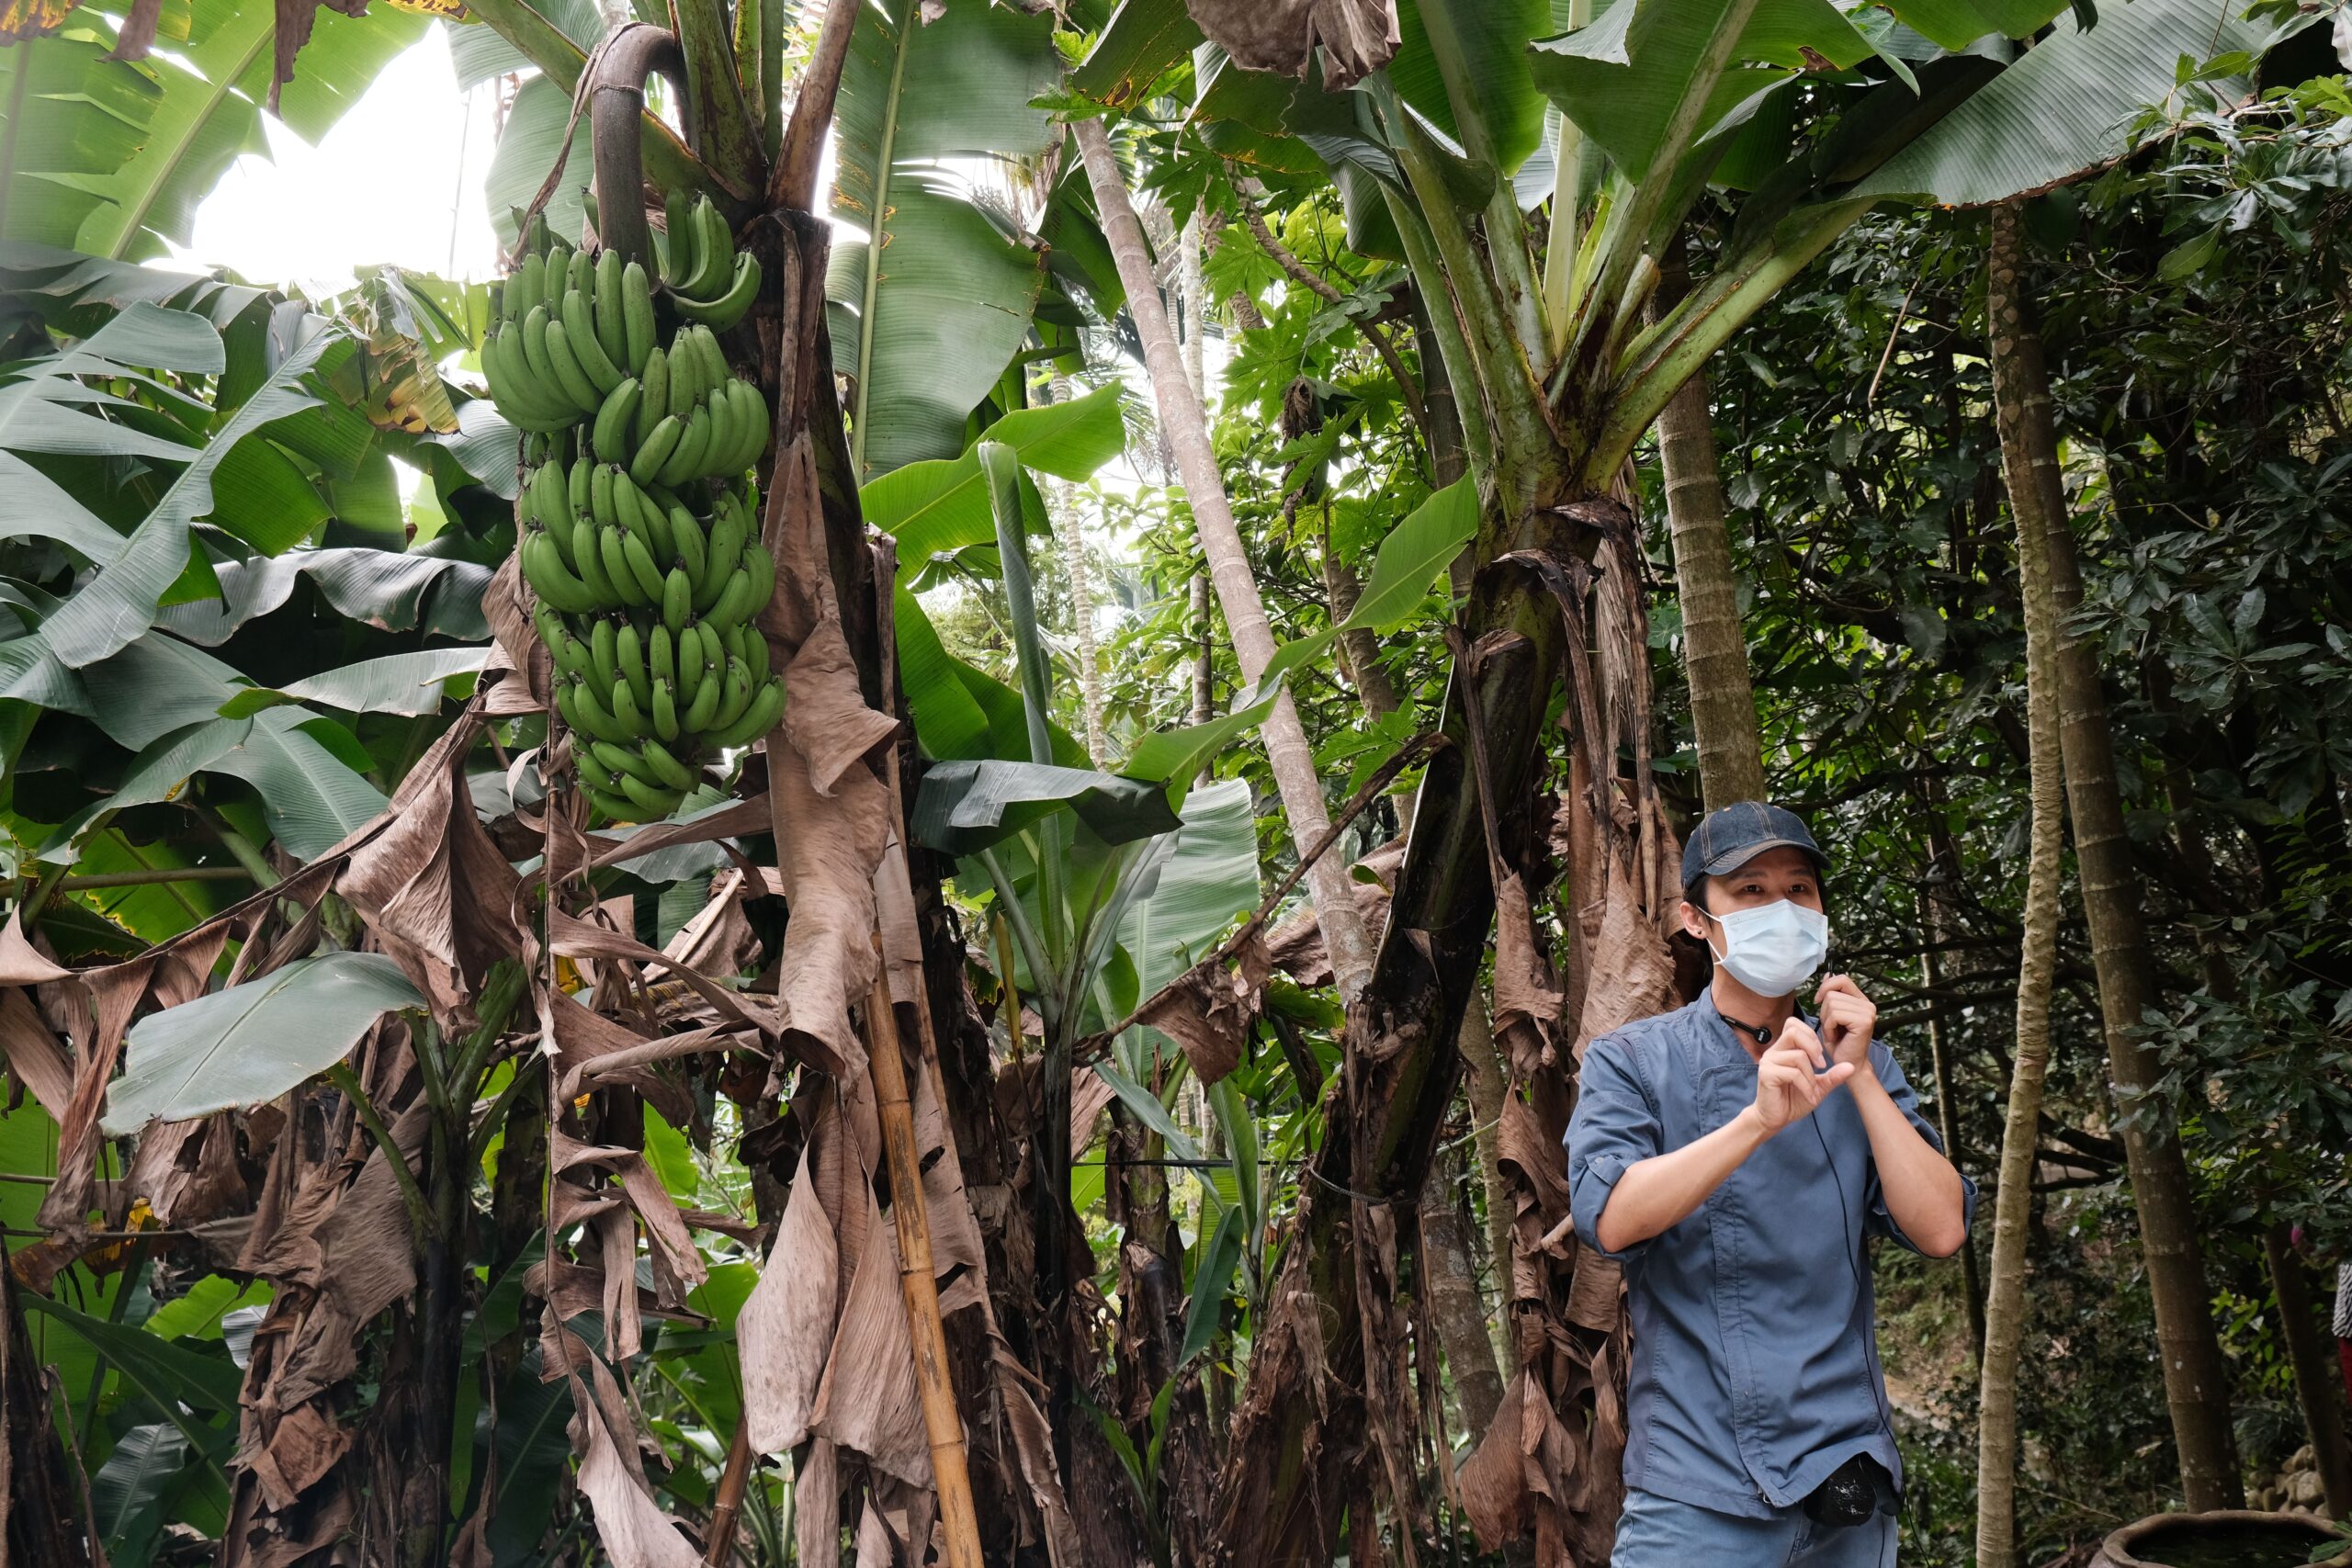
1996	1433
2312	1360
1455	1305
1714	648
40	1508
2196	1378
1180	415
1943	876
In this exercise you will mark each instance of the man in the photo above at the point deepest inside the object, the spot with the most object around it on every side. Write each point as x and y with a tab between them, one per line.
1734	1154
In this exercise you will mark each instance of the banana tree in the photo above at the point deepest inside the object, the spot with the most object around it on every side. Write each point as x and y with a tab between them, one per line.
1793	120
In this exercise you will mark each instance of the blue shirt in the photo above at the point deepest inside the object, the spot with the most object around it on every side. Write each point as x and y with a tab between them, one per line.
1755	1368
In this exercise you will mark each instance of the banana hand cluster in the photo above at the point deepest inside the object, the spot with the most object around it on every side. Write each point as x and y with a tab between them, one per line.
708	282
637	524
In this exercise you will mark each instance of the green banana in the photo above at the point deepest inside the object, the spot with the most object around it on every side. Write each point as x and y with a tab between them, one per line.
714	252
636	317
660	654
593	774
735	603
754	650
568	373
687	546
664	712
543	570
723	312
685	377
612	330
760	566
616	569
603	656
652	520
571	656
672	773
515	387
629	657
600	493
592	717
588	558
578	482
726	430
755	410
677	600
703	706
615	419
579	320
678	265
654	802
736	697
641	569
527	287
654	452
628	714
624	763
611	806
689	665
728	531
654	406
756	720
580	271
686	463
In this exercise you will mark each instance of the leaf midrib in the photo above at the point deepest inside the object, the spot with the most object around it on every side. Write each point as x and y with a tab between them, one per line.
221	88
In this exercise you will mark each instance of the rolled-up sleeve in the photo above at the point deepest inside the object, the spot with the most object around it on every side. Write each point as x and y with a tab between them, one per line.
1898	1089
1615	1124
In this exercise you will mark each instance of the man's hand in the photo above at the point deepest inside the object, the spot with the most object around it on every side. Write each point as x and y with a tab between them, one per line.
1789	1082
1847	1017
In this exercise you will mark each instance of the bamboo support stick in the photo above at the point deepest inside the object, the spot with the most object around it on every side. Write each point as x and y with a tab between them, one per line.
728	1506
945	1428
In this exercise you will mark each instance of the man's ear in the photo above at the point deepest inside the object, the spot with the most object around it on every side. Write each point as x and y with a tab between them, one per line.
1694	924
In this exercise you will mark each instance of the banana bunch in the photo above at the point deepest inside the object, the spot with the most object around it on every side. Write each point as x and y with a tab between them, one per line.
708	281
637	523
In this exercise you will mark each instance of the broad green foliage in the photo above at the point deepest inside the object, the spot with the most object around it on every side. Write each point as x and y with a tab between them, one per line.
937	297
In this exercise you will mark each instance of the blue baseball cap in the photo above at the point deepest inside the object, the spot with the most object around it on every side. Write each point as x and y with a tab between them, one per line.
1730	837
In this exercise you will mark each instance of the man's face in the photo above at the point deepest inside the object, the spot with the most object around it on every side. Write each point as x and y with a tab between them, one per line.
1772	877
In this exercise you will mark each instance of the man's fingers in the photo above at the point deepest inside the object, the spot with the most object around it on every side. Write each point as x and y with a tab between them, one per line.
1834	1077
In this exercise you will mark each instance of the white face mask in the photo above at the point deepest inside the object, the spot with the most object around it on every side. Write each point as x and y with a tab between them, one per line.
1773	948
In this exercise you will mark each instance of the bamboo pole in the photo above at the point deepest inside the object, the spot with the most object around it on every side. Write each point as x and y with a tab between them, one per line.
958	1522
726	1506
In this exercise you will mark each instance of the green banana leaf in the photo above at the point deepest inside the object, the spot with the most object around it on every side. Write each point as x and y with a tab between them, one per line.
205	109
527	147
942	504
2068	103
965	807
1486	41
409	684
937	297
251	1042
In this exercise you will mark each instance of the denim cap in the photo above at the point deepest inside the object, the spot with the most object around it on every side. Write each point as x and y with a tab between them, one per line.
1729	838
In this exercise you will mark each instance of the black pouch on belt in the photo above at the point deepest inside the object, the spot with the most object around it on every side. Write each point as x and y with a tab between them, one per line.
1853	1491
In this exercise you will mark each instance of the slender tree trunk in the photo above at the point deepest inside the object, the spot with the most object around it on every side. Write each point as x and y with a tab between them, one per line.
2312	1360
2196	1378
1942	877
1082	601
1996	1433
1189	291
1723	700
1180	415
41	1508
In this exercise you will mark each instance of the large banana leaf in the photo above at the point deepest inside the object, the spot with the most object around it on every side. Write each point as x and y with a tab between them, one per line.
527	147
963	807
251	1042
72	114
941	505
147	696
1210	882
408	683
390	589
1623	77
938	297
206	110
2068	105
1484	43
